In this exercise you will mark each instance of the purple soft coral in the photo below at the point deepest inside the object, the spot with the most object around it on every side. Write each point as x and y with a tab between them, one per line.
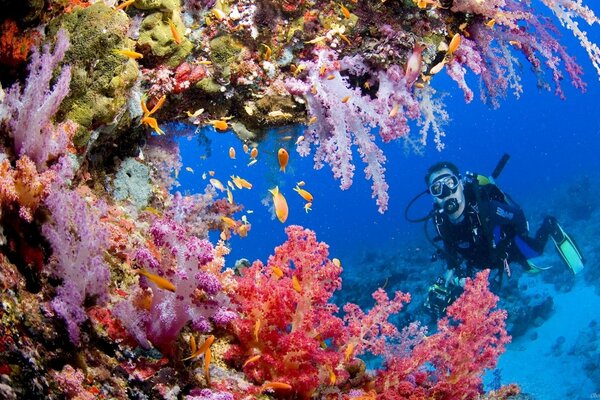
198	296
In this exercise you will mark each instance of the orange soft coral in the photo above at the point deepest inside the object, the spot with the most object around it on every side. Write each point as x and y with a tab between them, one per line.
23	185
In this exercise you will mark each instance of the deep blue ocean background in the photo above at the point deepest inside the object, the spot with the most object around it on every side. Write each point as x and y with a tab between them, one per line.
553	146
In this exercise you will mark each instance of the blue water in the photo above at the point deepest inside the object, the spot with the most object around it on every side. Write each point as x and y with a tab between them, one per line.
549	140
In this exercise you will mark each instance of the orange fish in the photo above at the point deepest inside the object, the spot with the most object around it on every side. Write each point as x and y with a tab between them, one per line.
207	359
454	43
243	229
229	222
232	153
283	157
281	207
220	125
254	152
277	271
251	360
217	184
275	385
296	284
344	11
176	36
125	4
346	98
245	147
348	352
241	182
159	281
202	349
304	194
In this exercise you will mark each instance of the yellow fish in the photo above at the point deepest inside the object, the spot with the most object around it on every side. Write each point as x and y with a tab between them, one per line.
128	53
281	207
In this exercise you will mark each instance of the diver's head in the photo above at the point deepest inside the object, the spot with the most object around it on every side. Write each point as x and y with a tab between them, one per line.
445	185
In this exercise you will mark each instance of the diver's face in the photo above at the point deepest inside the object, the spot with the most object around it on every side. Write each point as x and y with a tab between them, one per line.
445	186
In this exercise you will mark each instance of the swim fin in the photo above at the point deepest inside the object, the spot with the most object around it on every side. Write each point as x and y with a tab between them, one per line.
534	269
567	250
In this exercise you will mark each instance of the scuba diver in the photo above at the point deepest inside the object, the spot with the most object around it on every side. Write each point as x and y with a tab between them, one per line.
482	227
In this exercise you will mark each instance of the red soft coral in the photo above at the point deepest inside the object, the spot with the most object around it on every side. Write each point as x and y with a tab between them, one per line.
287	319
469	340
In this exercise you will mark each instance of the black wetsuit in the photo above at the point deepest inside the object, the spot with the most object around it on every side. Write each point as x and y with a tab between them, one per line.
492	232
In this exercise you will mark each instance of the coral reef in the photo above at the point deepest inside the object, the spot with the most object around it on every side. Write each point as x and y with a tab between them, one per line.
111	287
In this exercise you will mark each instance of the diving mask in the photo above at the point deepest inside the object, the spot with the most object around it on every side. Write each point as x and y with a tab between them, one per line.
444	186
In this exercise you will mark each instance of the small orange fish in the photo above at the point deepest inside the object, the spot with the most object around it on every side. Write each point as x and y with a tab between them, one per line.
277	272
229	195
229	222
176	36
437	68
337	262
275	385
245	147
128	53
345	11
307	207
296	284
217	184
242	230
490	23
346	98
283	157
232	153
124	4
304	194
220	125
348	352
159	281
254	152
281	207
454	43
312	120
192	343
251	360
257	326
207	359
241	182
251	163
332	377
300	184
202	349
300	139
268	52
345	38
394	111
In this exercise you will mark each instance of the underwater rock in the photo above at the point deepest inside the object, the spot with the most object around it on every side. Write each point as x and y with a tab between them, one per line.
157	42
132	182
100	79
157	4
